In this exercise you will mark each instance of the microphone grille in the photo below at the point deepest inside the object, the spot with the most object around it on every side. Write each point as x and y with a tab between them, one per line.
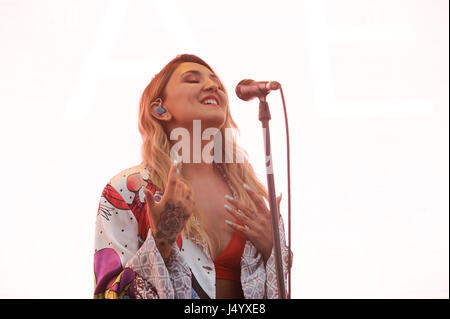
274	85
238	88
245	82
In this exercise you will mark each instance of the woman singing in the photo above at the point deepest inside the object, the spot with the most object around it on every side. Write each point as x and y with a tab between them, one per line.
189	225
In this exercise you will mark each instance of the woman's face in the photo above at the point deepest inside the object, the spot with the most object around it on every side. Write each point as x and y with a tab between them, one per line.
188	94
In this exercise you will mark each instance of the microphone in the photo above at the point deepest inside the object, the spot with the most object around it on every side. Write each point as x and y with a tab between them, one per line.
249	89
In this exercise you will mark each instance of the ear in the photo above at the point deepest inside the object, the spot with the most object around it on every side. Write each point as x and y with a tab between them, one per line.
166	116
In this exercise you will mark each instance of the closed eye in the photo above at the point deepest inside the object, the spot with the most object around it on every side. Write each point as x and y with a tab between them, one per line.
197	81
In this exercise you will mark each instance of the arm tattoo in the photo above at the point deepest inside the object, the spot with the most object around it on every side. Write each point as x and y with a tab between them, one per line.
170	224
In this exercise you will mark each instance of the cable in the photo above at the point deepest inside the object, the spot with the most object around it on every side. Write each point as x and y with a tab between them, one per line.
289	191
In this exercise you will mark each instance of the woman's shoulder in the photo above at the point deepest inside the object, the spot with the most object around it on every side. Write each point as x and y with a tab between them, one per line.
130	182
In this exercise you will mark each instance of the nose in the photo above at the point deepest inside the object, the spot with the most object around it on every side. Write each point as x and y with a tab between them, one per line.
211	85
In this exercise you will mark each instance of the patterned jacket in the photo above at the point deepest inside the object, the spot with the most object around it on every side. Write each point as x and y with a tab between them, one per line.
127	263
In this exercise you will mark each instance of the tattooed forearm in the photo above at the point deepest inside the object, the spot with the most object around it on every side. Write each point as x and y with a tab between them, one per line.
170	224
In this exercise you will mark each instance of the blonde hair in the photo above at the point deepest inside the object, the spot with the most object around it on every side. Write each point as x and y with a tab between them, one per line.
156	148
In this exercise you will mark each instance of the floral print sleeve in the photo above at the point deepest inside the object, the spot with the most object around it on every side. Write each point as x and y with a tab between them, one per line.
259	281
117	239
127	263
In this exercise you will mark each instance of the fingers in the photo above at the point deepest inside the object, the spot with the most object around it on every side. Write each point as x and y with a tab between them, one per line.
246	211
244	218
177	191
171	180
278	204
188	195
279	199
242	229
260	203
173	187
149	197
258	200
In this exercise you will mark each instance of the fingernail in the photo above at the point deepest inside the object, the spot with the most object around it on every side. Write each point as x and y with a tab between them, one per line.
246	187
228	207
228	222
178	171
228	197
175	162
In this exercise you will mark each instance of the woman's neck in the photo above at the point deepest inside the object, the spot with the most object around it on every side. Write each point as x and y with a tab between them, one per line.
198	170
195	165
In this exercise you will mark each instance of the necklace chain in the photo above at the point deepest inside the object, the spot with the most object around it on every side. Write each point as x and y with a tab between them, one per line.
227	180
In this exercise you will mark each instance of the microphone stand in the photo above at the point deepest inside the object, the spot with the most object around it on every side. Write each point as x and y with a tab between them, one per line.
264	117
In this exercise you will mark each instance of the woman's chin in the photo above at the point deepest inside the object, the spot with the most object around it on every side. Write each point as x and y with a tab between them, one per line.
216	123
212	119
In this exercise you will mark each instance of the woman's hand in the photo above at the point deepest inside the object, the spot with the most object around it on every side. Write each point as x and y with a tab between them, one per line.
257	225
168	216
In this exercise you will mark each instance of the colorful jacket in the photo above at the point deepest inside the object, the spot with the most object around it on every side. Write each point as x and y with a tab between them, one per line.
127	263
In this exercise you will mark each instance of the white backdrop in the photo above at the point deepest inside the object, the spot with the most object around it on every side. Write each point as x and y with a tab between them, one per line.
366	86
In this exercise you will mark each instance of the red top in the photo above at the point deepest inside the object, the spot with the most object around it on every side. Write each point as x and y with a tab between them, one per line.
228	263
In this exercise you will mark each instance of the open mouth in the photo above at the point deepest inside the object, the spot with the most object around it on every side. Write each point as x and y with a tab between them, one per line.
210	100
